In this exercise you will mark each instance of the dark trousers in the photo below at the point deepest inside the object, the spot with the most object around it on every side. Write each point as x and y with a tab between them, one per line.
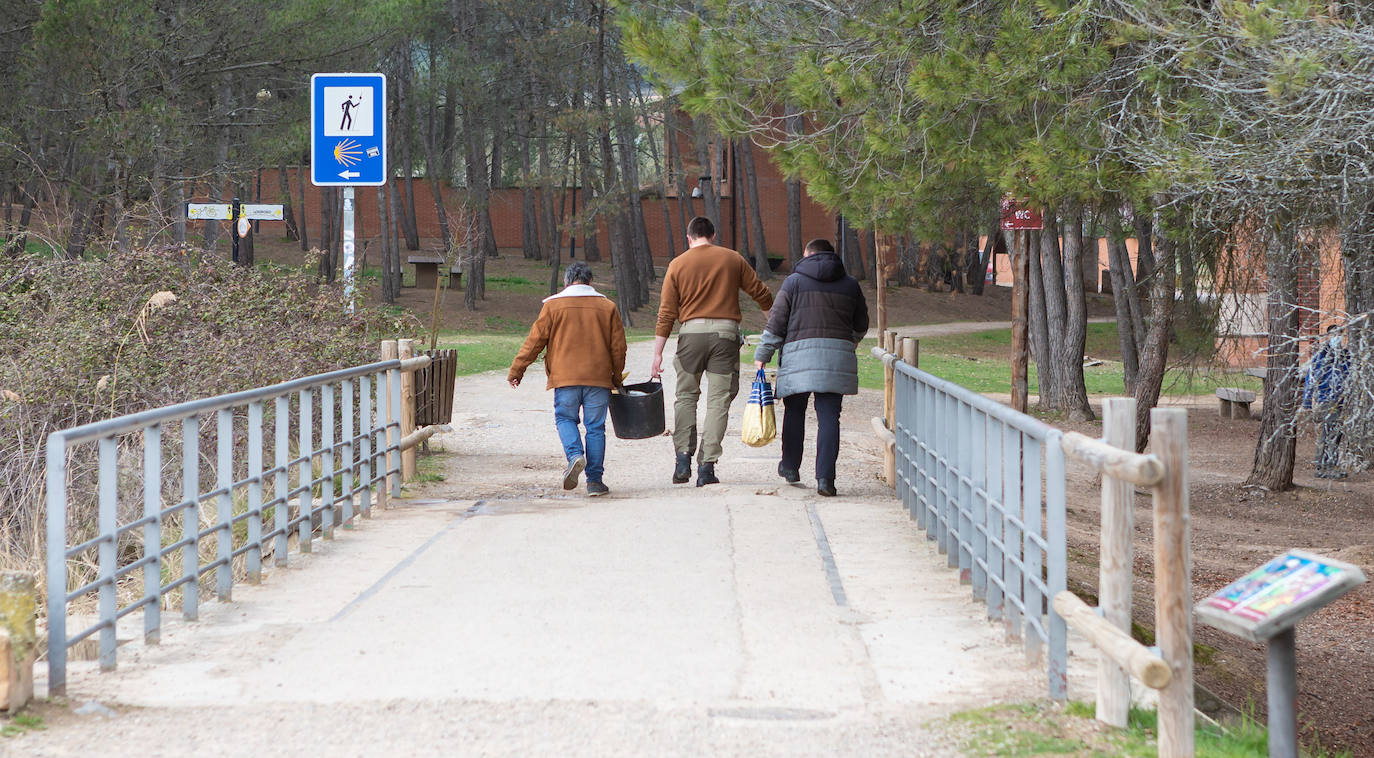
828	405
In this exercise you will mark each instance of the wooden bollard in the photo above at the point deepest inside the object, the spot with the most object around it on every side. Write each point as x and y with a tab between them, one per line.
1115	562
408	467
390	351
18	639
1173	584
911	351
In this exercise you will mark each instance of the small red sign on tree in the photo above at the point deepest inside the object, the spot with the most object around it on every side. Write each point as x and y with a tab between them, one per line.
1016	216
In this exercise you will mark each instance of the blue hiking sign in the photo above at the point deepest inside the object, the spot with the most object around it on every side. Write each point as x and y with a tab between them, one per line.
347	130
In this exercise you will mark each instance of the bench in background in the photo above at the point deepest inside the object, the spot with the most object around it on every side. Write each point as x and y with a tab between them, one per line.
1235	402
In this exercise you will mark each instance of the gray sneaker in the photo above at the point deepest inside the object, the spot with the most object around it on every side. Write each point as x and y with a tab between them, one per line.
597	489
573	471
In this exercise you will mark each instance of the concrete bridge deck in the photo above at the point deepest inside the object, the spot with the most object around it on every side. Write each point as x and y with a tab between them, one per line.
492	613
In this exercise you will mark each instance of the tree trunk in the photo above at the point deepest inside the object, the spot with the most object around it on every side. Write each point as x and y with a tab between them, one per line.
498	158
303	227
1124	299
1037	325
1154	356
284	190
793	124
907	258
751	190
326	258
870	244
179	213
529	205
1052	271
685	208
1073	392
704	147
631	201
336	245
1275	451
1144	236
660	165
978	268
384	236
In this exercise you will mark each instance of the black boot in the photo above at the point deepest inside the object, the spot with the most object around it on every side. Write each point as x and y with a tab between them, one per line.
791	475
683	471
825	487
706	474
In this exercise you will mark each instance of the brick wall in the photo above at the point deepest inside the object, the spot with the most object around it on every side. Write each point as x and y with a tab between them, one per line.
507	204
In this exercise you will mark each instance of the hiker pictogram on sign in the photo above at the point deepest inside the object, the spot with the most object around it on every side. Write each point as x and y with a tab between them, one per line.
349	111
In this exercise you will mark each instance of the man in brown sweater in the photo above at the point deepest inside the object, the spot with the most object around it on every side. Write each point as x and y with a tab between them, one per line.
585	359
701	290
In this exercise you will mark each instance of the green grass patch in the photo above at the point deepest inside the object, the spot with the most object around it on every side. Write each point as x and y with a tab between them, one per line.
515	284
1043	728
31	245
21	723
981	361
505	324
429	469
482	352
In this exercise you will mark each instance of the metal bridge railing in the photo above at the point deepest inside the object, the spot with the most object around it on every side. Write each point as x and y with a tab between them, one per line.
334	437
986	483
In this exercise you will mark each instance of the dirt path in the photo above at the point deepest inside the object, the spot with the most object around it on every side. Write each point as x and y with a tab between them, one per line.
493	613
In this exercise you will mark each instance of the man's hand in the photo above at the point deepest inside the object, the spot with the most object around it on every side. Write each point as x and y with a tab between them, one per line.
656	368
758	365
514	382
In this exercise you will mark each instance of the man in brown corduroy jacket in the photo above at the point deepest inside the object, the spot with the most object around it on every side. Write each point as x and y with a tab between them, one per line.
585	359
701	290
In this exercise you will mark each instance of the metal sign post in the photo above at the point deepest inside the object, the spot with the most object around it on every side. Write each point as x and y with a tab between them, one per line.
348	245
238	230
348	144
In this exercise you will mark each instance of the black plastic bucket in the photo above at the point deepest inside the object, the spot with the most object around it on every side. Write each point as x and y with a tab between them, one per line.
639	415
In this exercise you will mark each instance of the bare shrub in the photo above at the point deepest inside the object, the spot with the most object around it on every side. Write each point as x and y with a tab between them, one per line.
86	340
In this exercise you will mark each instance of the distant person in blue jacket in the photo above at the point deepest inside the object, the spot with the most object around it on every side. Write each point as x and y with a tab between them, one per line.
1323	391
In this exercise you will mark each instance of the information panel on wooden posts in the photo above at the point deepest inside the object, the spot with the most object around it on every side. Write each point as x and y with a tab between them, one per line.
1277	595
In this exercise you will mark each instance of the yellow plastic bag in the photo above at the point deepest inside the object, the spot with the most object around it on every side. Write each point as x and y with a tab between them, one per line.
759	426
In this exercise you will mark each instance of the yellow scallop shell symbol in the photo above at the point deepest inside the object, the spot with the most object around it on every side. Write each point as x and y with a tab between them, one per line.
348	152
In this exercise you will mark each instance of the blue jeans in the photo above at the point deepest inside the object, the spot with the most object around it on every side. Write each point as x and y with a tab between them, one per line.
590	403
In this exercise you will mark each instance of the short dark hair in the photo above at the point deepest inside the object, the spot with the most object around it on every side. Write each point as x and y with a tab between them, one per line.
820	245
577	273
701	228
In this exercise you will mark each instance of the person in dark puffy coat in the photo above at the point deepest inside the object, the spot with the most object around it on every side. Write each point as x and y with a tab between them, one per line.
818	319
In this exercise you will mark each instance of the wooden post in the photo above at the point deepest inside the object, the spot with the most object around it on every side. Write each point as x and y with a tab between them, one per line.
911	351
390	352
1115	566
18	639
408	469
1173	591
888	341
1020	313
883	243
